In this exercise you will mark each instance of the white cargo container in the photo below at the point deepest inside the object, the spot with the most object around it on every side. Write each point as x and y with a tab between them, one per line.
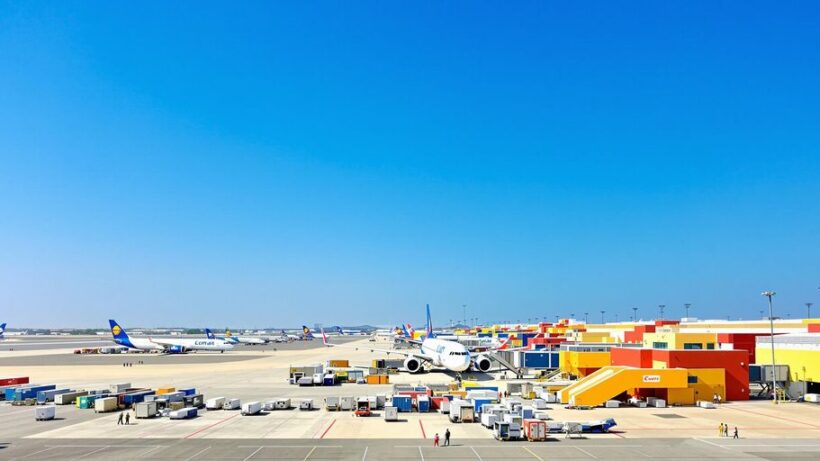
332	403
251	408
281	404
347	403
539	404
487	419
232	404
105	404
68	398
813	398
318	379
45	412
381	400
215	403
118	387
146	409
306	405
660	403
391	413
612	404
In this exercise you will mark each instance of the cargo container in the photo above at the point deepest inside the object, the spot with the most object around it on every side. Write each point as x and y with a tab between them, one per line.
189	391
105	404
146	409
332	403
232	404
488	419
184	413
69	397
45	412
347	403
131	398
423	404
281	404
391	413
306	405
215	403
330	379
506	431
381	400
338	363
535	430
88	401
404	403
305	381
119	387
477	403
251	408
48	396
318	378
27	391
363	407
165	390
195	400
14	381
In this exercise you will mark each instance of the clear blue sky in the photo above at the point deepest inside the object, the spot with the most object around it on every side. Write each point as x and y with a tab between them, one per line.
283	163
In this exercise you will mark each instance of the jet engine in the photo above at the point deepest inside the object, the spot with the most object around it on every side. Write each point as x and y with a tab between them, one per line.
412	364
482	363
176	350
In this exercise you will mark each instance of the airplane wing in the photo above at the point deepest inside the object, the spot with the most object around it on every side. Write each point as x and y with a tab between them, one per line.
414	354
161	342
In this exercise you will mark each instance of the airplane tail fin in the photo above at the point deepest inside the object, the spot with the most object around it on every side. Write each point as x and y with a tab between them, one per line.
306	332
429	323
209	334
2	328
324	337
116	330
227	333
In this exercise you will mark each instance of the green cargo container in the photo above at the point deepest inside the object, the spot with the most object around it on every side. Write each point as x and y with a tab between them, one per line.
86	401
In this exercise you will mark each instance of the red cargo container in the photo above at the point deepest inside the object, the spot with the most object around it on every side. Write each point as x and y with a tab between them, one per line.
736	364
13	381
435	402
814	328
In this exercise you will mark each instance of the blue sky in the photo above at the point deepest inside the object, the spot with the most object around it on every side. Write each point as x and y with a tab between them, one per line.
280	163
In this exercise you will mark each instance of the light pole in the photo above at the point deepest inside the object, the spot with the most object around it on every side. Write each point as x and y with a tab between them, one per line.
686	308
464	312
770	294
556	318
808	310
634	314
602	316
586	317
661	307
616	317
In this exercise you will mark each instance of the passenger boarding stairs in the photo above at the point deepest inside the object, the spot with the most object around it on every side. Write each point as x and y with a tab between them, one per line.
609	382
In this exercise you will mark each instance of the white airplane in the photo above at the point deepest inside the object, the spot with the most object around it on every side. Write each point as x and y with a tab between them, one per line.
251	340
168	345
2	330
441	353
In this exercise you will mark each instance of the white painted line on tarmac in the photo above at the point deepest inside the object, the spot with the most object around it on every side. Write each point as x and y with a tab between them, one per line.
711	443
533	454
586	452
254	452
198	453
309	453
421	454
364	458
294	446
152	449
476	454
92	452
37	452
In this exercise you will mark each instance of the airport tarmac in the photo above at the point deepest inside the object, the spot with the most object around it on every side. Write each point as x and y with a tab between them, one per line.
788	430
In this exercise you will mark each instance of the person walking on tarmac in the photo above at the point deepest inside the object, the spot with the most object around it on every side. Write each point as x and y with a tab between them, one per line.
127	419
735	436
119	420
725	430
447	436
720	430
435	440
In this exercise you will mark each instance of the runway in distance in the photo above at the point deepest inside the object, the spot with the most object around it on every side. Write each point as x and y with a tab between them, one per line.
434	352
166	345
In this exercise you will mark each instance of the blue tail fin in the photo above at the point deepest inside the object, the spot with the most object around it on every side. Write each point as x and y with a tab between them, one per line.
209	334
2	329
117	331
429	323
306	332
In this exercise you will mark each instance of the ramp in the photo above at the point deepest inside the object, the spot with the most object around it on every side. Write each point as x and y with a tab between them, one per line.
609	382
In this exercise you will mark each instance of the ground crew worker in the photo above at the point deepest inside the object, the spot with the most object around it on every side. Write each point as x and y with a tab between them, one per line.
735	436
435	440
447	436
119	420
128	418
720	430
726	430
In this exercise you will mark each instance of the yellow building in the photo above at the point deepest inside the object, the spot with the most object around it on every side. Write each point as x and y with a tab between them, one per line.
669	339
801	352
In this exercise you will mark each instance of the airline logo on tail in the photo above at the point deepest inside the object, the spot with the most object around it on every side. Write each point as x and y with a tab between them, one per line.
306	332
209	334
120	336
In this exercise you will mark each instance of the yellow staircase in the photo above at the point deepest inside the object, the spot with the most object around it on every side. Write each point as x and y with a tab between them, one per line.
609	382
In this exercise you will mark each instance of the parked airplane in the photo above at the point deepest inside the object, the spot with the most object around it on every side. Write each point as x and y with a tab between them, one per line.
306	334
435	352
168	345
251	340
2	330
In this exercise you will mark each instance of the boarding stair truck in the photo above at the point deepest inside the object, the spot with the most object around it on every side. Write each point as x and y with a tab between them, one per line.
45	412
146	409
535	430
232	404
215	403
363	407
251	408
68	398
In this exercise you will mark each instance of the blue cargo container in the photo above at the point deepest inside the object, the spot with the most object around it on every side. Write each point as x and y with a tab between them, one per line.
482	388
22	393
526	412
555	360
539	360
136	397
478	402
330	380
423	404
190	391
756	373
403	403
48	396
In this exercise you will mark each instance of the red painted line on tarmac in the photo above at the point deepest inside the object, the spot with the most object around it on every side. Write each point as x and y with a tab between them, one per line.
212	425
328	429
776	417
423	434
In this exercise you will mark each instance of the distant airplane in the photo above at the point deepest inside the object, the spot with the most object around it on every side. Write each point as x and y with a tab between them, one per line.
2	330
445	354
306	334
168	345
236	339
